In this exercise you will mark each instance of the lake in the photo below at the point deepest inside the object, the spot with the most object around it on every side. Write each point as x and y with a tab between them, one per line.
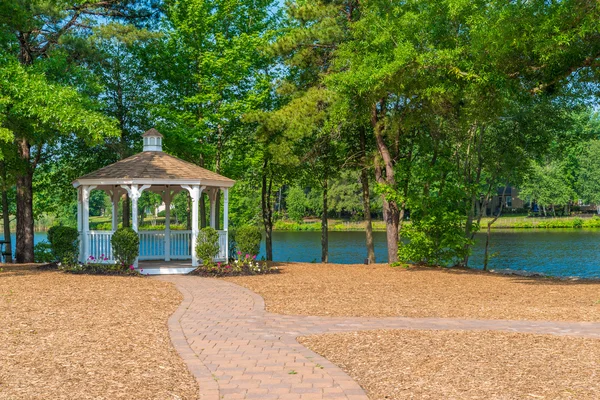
557	252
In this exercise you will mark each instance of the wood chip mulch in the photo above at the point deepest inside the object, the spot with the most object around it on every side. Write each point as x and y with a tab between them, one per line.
398	364
382	291
88	337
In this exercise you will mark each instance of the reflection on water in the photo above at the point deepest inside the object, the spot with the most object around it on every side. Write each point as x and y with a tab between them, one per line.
558	252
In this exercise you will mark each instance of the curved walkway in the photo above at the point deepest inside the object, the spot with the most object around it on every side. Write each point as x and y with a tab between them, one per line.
237	350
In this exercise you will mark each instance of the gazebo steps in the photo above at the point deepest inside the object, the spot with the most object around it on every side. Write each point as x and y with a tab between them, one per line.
164	267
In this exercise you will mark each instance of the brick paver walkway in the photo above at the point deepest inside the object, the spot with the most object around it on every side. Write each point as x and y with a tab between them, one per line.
237	350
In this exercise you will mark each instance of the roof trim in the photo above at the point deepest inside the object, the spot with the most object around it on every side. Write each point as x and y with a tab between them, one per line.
152	132
151	181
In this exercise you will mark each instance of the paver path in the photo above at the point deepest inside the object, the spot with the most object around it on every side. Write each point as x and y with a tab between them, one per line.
237	350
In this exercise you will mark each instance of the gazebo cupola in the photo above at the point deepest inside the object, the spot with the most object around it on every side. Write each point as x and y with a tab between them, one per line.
163	174
152	140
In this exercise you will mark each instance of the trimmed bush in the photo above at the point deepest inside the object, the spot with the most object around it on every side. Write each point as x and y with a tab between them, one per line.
42	253
64	242
126	246
207	245
247	239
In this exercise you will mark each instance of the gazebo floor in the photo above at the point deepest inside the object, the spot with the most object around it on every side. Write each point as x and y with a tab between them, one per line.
161	267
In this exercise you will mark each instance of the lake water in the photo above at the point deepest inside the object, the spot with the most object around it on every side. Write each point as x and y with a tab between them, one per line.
557	252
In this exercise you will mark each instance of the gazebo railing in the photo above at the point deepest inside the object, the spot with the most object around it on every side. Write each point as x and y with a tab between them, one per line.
152	245
181	245
100	247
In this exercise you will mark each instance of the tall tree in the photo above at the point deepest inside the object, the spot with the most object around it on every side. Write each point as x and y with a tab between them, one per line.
45	36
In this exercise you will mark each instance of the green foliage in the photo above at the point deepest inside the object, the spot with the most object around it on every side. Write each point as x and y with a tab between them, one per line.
247	239
64	241
295	203
126	246
207	245
436	239
42	252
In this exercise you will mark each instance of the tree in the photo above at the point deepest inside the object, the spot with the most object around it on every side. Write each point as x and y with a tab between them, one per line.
44	36
37	114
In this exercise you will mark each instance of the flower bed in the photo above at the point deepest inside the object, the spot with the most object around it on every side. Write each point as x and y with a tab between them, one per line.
98	266
246	265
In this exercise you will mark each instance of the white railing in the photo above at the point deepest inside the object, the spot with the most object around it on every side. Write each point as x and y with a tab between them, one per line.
152	245
181	248
99	245
222	256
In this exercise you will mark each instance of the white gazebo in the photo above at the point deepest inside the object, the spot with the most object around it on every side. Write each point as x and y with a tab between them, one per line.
166	175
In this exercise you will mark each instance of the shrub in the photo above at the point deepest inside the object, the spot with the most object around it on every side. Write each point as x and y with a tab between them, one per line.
64	242
126	246
42	253
207	245
248	240
577	223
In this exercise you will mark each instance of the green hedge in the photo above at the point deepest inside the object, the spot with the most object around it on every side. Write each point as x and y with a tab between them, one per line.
247	240
207	245
64	242
126	246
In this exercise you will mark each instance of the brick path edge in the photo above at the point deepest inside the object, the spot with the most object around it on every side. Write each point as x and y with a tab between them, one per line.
237	350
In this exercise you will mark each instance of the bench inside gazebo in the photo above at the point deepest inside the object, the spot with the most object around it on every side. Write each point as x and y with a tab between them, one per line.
161	251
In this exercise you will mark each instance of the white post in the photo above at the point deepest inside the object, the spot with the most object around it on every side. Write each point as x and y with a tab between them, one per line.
226	221
134	194
167	200
80	223
195	193
115	209
86	190
213	208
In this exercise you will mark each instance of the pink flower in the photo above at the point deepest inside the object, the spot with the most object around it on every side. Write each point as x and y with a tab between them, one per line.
254	258
239	253
247	255
219	264
131	267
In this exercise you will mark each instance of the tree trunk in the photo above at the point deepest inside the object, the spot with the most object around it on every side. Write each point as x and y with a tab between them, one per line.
324	227
6	215
391	213
267	214
189	214
25	218
364	179
486	255
126	211
202	211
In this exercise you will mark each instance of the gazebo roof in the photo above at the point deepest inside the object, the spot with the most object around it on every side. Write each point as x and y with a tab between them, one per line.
153	167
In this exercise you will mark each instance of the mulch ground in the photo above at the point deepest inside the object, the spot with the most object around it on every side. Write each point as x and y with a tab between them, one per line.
81	337
382	291
465	365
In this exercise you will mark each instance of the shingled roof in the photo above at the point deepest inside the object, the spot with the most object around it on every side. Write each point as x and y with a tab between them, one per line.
155	165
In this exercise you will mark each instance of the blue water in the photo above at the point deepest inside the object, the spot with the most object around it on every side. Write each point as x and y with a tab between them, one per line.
569	252
557	252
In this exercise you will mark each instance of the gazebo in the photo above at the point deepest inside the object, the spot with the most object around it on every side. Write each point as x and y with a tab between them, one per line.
158	172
